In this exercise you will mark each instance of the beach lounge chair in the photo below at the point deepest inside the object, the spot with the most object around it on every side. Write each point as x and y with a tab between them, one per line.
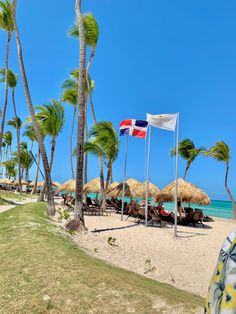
133	210
193	218
155	217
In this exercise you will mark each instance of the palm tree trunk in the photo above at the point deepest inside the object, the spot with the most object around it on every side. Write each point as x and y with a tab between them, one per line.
6	90
81	120
71	144
187	168
34	190
42	193
18	139
50	204
86	139
228	190
100	160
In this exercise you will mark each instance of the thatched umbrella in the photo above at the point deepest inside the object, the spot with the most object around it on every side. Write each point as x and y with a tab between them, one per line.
23	182
41	184
133	188
7	181
186	193
56	184
68	186
113	185
94	186
153	190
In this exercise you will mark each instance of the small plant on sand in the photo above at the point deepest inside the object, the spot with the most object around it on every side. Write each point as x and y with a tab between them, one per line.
148	267
111	241
60	215
66	214
95	250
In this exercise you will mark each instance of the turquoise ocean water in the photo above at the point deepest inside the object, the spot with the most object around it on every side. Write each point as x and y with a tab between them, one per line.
217	208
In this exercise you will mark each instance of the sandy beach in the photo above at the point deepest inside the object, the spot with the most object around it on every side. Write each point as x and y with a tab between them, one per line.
186	262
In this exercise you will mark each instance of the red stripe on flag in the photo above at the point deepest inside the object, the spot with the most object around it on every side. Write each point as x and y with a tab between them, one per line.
139	133
127	123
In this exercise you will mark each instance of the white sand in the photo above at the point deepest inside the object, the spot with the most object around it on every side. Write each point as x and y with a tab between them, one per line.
186	262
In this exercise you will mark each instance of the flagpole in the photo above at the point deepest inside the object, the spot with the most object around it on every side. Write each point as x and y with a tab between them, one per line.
147	182
124	179
176	175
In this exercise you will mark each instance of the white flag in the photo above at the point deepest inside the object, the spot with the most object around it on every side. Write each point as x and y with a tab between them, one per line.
163	121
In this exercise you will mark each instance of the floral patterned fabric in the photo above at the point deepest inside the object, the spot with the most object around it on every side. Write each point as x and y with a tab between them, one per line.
221	298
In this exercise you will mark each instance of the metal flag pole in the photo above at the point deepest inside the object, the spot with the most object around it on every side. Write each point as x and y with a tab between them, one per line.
147	182
124	179
176	174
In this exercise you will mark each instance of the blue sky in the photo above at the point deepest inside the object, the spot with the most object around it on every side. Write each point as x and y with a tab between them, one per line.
159	57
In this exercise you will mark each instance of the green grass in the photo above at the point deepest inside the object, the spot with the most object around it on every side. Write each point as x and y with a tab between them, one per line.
43	271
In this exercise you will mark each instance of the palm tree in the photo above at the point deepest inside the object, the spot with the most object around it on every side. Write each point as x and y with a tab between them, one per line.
26	160
50	197
17	123
10	168
12	83
187	151
51	118
6	24
91	39
29	132
8	141
70	96
81	118
104	143
221	152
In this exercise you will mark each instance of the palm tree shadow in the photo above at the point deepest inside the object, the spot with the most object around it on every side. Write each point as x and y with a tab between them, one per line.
8	201
115	228
191	234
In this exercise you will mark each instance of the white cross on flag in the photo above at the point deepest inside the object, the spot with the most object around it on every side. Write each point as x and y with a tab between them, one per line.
163	121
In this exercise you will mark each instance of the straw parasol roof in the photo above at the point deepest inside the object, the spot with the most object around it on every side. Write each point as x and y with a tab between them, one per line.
133	188
23	182
113	185
56	184
153	190
187	192
41	184
68	186
93	186
32	183
7	181
2	181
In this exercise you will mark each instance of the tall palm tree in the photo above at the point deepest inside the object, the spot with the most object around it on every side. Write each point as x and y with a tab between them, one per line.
29	132
188	151
12	83
105	143
17	123
51	118
91	39
8	141
50	194
221	152
6	24
70	96
81	117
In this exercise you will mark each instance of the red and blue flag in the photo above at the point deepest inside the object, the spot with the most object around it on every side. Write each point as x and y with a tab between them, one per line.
137	128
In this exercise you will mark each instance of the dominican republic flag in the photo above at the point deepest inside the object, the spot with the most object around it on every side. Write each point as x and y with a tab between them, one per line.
137	128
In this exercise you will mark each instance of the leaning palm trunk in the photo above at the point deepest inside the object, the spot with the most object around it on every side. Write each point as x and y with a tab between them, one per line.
42	193
50	205
18	139
81	120
86	139
35	188
71	144
103	194
6	90
228	190
186	169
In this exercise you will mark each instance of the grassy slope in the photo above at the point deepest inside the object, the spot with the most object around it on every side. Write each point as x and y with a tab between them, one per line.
42	270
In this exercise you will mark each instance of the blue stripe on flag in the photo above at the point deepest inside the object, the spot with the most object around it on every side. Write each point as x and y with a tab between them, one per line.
124	132
141	123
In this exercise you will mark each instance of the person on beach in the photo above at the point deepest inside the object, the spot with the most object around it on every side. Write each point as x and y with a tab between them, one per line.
221	297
